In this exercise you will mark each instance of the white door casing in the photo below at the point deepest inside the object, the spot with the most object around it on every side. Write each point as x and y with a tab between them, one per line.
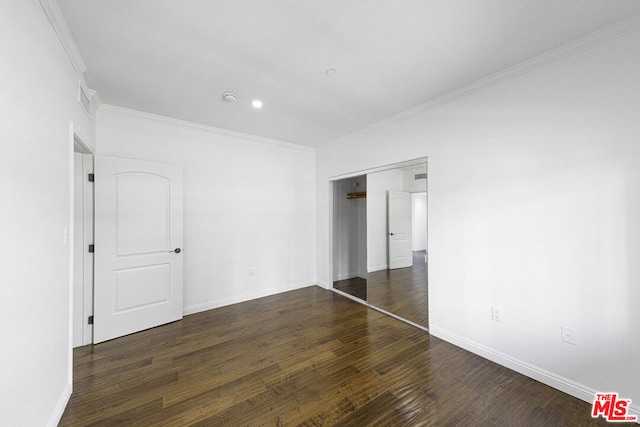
88	240
78	251
83	259
138	226
400	234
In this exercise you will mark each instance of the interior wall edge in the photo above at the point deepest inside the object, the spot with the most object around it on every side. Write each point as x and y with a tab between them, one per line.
324	284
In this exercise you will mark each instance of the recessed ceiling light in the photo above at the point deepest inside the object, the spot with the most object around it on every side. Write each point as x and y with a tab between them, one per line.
230	97
257	103
330	72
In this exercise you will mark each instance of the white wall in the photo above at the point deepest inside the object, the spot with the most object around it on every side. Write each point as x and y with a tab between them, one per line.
248	202
534	207
38	101
411	184
378	184
419	220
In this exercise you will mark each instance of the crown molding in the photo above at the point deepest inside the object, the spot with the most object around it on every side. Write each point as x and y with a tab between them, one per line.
54	14
205	128
572	48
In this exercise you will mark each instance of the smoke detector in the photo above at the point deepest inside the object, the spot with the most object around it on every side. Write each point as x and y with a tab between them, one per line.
230	97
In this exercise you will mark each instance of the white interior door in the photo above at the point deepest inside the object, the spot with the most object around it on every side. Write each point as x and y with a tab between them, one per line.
138	246
399	214
83	259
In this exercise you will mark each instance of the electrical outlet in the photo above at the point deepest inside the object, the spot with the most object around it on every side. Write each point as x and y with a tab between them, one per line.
496	313
569	335
250	271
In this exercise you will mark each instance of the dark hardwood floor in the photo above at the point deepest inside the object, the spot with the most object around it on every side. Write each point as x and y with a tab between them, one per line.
402	291
308	357
356	286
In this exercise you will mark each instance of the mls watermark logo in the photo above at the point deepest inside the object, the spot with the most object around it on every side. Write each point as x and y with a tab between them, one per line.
611	408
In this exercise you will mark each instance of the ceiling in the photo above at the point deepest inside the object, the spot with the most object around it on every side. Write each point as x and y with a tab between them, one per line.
177	58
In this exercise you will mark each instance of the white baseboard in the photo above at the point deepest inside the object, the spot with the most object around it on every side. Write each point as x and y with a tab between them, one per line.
634	409
558	382
58	411
242	298
378	268
324	284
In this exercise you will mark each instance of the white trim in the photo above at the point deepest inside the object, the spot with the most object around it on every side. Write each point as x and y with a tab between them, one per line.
549	378
79	146
201	127
59	24
323	285
365	303
375	268
345	294
575	47
58	411
193	309
398	165
402	319
558	382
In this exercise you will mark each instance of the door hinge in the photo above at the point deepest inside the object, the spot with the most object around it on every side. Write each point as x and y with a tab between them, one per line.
90	320
92	177
91	249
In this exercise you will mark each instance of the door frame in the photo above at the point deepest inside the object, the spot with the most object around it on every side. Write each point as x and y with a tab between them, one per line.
330	207
117	264
87	260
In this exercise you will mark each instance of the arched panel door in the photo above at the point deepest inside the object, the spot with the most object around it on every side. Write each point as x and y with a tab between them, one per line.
399	225
138	246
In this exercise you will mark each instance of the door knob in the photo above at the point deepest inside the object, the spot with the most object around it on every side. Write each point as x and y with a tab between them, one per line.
176	250
391	234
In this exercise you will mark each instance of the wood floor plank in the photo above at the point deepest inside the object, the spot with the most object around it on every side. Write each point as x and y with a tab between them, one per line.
402	291
309	357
